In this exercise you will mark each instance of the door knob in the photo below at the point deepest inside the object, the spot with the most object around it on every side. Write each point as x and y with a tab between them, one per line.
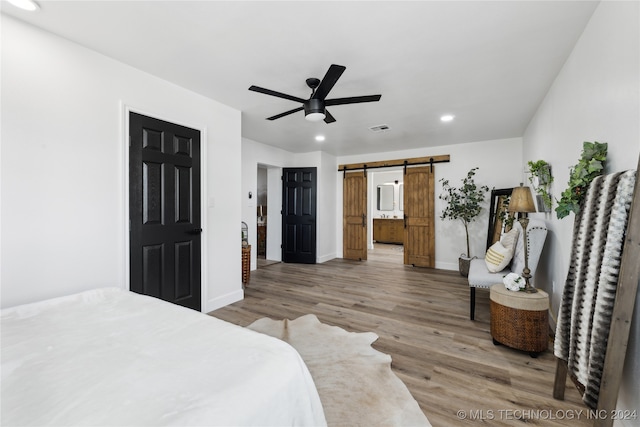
195	231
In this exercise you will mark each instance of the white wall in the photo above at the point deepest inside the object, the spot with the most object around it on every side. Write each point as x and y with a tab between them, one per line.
254	154
64	171
491	156
327	204
500	164
326	220
594	98
274	225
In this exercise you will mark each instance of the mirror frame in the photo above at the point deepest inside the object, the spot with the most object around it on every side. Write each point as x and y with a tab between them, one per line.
495	223
379	193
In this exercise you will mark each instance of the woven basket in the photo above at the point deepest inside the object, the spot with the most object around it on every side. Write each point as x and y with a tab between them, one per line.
522	329
246	264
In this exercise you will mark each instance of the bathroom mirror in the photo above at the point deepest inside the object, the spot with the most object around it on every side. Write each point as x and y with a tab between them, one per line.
385	197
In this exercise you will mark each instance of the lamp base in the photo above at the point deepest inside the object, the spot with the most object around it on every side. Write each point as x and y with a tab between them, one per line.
526	275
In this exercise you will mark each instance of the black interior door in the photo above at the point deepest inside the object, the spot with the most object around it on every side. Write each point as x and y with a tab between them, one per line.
299	215
164	206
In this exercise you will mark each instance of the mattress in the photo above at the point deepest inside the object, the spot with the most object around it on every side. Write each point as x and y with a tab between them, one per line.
113	357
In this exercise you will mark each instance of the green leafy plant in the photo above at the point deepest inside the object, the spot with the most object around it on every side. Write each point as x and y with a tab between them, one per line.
463	203
506	218
590	165
542	185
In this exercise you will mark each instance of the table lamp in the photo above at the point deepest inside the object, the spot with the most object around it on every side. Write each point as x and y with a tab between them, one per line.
522	202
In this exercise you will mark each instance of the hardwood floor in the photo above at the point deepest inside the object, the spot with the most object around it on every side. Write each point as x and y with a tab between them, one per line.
448	362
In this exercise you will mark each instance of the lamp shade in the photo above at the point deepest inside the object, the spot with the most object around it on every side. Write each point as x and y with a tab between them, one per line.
521	200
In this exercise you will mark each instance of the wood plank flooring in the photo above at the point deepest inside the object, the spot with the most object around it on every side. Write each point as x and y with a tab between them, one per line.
448	362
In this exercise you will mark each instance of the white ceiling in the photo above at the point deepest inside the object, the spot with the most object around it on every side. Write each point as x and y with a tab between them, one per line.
488	63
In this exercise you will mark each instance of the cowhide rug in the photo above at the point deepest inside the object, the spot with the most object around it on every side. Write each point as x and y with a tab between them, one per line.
354	381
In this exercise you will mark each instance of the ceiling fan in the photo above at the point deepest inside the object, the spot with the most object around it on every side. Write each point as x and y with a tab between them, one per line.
315	107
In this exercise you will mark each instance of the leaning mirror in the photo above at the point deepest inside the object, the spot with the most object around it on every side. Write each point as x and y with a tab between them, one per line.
385	197
498	214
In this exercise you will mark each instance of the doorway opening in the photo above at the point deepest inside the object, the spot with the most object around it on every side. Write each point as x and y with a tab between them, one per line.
268	216
386	207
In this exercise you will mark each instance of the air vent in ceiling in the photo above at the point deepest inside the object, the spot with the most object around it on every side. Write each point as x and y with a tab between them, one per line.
380	128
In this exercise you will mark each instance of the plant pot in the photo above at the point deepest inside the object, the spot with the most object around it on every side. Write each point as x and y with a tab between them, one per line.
543	175
542	206
464	262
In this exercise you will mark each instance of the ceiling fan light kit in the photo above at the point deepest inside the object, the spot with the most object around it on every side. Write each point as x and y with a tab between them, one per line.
314	107
314	110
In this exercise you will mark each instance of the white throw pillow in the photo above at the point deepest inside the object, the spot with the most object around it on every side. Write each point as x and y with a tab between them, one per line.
498	257
509	239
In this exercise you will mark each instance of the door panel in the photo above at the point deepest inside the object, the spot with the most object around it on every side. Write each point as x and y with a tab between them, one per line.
183	194
354	242
299	215
164	205
419	231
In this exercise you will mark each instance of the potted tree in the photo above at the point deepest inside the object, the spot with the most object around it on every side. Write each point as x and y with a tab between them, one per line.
463	203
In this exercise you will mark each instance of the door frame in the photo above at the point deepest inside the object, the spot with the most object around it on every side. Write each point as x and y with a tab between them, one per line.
125	110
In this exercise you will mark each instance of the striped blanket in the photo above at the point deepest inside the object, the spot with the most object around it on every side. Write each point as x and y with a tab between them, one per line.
589	293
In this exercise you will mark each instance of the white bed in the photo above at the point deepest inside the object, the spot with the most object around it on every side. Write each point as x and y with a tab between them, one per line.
113	357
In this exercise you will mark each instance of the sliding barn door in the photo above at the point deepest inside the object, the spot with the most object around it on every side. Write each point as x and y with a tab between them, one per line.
354	241
419	224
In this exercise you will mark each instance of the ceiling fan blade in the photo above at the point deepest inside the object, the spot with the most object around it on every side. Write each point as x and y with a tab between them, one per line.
352	100
286	113
329	80
328	117
278	94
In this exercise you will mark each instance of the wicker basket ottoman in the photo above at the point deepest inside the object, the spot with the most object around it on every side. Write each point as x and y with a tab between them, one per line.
520	320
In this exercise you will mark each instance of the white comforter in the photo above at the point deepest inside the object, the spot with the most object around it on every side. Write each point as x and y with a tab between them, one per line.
112	357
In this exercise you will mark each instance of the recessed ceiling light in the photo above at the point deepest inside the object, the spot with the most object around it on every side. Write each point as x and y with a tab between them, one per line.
320	138
447	118
29	5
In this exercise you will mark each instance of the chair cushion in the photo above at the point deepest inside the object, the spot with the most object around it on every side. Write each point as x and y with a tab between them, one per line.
498	257
480	277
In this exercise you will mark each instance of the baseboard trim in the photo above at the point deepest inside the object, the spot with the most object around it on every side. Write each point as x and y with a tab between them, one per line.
325	258
447	265
224	300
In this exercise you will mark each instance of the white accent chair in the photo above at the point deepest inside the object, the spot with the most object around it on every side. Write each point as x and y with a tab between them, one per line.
479	275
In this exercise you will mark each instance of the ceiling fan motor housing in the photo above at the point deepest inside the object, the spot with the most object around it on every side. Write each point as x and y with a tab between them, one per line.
313	106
